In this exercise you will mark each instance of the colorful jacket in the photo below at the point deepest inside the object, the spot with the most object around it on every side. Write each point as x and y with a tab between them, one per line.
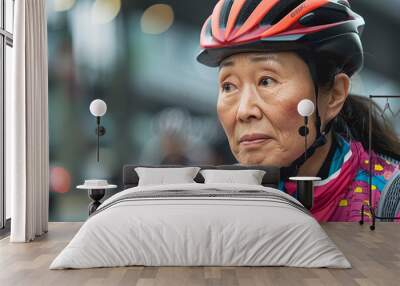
340	196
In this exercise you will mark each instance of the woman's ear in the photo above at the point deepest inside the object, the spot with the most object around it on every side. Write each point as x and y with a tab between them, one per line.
338	95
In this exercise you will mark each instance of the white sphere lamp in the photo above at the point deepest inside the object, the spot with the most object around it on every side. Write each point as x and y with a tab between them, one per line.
98	107
305	107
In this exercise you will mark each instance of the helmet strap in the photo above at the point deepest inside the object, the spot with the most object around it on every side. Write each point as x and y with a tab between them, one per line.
320	140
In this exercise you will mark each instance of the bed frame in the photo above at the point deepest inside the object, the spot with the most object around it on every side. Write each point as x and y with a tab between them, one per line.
271	178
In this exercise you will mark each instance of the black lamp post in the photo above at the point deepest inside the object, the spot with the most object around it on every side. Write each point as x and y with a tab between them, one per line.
305	185
98	108
305	108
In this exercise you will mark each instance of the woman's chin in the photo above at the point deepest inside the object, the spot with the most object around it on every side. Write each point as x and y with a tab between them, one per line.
254	159
261	157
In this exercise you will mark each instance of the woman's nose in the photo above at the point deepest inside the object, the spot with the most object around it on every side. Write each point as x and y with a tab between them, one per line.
248	106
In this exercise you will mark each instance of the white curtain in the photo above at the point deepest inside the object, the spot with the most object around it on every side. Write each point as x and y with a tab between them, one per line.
27	148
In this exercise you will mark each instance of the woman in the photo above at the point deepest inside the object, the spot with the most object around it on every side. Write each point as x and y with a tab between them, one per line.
272	54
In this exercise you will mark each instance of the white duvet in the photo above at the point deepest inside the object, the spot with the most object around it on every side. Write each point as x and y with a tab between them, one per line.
202	231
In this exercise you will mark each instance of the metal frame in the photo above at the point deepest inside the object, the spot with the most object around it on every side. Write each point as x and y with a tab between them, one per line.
370	207
6	39
2	92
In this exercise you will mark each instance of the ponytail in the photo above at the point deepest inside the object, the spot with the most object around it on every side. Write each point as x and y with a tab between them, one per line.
353	123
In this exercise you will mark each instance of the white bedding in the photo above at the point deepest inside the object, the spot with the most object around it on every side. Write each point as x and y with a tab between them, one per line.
202	231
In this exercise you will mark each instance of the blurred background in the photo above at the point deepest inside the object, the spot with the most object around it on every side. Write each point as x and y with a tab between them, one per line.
139	57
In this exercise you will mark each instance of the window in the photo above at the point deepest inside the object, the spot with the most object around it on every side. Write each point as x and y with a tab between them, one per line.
6	44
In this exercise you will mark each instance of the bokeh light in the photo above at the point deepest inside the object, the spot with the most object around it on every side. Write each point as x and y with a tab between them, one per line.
62	5
157	19
104	11
60	180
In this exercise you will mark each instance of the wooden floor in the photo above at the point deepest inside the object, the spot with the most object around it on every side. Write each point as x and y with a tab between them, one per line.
375	256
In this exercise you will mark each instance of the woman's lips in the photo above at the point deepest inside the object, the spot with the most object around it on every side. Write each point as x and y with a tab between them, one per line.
253	143
253	139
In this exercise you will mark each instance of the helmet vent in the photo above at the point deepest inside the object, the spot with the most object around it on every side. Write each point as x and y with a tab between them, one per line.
209	28
279	11
226	9
246	11
323	16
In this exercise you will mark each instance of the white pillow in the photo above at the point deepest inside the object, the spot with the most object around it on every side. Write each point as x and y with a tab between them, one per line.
162	176
249	177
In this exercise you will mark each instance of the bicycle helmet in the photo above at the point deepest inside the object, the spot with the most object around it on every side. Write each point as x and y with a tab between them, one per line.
316	29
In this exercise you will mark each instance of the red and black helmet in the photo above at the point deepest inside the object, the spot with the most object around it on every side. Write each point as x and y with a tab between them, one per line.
322	32
325	27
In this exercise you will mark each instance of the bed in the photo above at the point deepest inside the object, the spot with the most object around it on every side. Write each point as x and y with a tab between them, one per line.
201	224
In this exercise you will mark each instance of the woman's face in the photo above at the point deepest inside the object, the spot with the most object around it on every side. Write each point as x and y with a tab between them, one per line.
257	106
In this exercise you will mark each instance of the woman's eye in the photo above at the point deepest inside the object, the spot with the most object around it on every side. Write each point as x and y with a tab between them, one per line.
227	87
266	81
